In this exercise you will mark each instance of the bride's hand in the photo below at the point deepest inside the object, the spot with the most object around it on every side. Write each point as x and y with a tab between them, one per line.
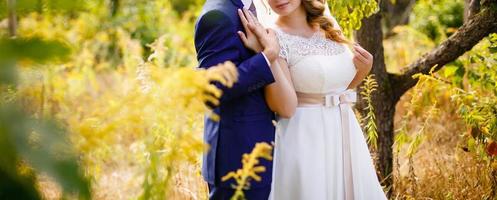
363	60
250	40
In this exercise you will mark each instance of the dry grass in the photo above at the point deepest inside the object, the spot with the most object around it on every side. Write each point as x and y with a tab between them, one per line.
119	181
442	169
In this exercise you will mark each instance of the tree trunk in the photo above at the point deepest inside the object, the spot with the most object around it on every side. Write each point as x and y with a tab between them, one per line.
114	7
395	14
11	6
370	37
471	7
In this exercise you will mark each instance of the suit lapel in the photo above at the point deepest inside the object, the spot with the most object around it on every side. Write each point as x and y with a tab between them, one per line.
238	3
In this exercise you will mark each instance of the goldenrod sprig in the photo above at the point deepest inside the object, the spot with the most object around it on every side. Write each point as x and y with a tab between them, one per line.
250	169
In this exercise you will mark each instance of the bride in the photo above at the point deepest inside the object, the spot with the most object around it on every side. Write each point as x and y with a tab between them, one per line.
320	150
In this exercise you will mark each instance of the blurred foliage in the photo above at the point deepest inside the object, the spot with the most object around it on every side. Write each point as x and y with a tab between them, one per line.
474	78
32	49
349	13
29	146
123	84
23	7
438	19
182	6
148	20
398	47
32	145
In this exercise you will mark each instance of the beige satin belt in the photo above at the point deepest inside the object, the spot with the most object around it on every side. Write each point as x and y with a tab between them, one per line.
344	101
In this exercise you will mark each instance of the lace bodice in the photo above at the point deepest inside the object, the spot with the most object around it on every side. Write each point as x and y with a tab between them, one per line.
317	64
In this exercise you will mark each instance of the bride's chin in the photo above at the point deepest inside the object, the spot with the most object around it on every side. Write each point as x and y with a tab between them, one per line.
282	12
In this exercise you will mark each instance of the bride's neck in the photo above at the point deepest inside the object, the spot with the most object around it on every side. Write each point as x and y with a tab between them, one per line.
295	20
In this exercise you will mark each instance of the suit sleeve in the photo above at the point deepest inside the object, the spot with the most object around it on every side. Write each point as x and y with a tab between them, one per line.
216	41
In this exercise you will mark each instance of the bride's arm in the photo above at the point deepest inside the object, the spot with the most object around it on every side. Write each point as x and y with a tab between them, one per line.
280	95
363	60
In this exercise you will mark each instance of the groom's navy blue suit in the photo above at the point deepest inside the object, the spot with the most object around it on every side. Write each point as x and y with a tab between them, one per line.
245	116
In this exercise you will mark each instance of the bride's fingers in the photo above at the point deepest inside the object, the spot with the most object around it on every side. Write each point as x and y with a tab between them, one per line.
359	57
363	52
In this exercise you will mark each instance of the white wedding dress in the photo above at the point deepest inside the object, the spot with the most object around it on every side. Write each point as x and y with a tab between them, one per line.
320	152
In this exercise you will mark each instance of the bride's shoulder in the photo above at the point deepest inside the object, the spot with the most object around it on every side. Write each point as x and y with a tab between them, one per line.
282	35
279	33
276	29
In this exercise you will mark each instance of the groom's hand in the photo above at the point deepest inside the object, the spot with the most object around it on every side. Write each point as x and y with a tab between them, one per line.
267	37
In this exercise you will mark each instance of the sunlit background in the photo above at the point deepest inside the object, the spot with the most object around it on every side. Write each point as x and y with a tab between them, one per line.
102	100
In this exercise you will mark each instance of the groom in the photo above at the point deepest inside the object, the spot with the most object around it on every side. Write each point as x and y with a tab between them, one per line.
245	116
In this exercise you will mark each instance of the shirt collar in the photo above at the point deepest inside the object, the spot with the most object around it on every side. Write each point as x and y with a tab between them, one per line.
246	3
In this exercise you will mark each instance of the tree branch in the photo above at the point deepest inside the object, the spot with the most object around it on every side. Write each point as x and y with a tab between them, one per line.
474	7
469	34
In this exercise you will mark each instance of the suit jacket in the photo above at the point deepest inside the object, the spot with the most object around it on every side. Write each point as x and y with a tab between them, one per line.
245	118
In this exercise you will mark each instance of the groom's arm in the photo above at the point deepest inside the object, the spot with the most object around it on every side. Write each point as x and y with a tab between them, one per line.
216	41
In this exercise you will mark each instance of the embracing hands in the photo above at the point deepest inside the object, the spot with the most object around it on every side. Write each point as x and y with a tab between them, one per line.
256	37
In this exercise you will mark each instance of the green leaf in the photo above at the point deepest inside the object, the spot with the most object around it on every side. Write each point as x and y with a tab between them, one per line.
492	49
450	70
349	13
471	144
44	146
67	5
8	73
16	186
33	49
23	7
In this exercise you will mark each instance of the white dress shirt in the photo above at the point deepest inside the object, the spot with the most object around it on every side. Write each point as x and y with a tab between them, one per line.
246	5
